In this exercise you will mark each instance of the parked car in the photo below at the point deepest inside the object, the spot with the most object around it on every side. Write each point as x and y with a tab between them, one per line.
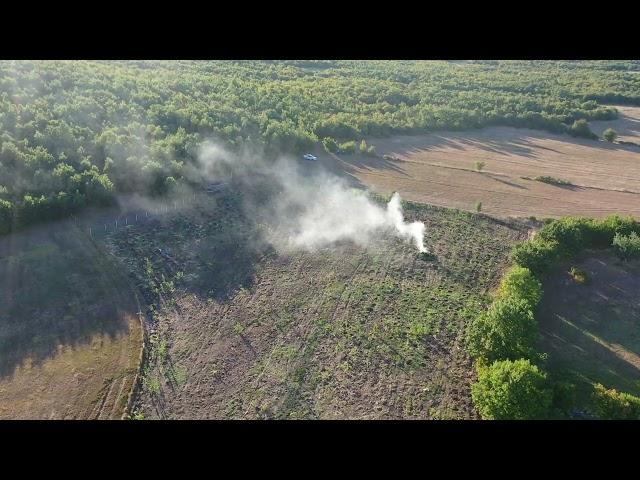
308	156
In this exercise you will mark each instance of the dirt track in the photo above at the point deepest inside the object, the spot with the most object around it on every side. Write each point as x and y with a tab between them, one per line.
439	169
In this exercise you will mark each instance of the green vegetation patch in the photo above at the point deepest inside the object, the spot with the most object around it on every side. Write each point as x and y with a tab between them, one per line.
315	334
627	246
512	390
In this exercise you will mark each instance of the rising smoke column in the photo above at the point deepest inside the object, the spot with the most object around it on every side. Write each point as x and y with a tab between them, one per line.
307	208
411	231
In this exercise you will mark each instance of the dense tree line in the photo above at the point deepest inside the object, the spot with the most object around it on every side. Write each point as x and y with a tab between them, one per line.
74	133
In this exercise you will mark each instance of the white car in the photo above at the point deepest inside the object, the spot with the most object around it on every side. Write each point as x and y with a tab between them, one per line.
308	156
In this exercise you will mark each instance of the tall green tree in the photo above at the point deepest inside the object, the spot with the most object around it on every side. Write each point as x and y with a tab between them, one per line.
507	330
512	390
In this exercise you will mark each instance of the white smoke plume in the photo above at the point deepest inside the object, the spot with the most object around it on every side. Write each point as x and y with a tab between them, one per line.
305	206
411	231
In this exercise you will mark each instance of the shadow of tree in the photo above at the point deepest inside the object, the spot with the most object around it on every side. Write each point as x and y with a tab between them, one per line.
57	290
596	360
593	328
227	264
506	182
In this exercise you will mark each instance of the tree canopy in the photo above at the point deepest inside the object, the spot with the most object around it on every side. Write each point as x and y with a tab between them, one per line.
89	129
507	330
512	390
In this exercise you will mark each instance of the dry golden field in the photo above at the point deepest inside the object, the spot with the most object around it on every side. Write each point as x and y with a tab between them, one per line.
440	169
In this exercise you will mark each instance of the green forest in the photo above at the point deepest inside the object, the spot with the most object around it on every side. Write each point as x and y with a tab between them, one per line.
76	133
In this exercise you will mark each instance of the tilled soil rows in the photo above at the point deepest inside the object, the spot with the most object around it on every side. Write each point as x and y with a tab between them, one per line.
241	331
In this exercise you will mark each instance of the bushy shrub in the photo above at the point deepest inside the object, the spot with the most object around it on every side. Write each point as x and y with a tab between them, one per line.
511	390
330	145
609	135
569	232
603	231
613	405
627	246
536	255
520	283
507	330
580	128
348	147
579	275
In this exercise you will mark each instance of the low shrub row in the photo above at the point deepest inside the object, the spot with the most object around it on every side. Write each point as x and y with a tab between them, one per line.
551	180
34	209
502	340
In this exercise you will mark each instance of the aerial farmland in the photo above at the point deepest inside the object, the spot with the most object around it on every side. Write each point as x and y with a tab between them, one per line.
288	240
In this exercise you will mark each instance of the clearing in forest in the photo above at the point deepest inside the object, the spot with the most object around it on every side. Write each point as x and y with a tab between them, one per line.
242	331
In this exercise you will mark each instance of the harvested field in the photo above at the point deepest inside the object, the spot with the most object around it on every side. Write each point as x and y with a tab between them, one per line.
591	331
439	169
244	332
69	335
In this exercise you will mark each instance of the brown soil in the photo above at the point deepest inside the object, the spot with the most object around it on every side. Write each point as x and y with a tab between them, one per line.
439	169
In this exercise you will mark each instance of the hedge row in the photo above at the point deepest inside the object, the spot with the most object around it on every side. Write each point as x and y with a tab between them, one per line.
503	339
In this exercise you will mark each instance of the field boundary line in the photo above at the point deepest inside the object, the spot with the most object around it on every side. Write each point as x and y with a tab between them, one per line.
137	379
